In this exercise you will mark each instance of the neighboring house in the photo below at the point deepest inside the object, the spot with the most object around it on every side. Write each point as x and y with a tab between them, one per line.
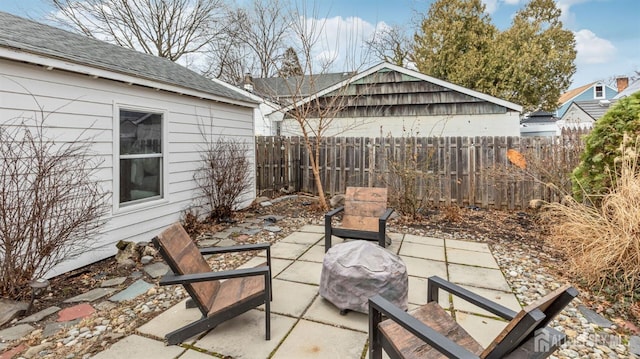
539	123
391	100
624	89
583	114
592	91
276	92
143	114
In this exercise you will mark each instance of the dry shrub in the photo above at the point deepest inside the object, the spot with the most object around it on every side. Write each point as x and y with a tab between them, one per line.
192	224
602	242
52	206
225	175
410	178
452	213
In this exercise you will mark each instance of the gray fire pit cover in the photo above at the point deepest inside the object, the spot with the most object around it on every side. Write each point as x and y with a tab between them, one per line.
352	272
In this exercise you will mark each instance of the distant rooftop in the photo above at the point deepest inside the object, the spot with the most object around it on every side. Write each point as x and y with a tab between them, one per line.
595	108
298	86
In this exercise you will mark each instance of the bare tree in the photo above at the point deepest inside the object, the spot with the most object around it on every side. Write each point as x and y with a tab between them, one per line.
263	29
51	205
314	115
166	28
391	44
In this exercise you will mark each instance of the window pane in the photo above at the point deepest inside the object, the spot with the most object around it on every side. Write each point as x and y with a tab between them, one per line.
140	178
140	132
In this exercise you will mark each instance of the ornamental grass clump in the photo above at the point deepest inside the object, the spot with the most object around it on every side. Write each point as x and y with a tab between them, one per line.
602	242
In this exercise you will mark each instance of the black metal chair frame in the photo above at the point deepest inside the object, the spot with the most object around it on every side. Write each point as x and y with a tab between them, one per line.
379	236
532	327
209	322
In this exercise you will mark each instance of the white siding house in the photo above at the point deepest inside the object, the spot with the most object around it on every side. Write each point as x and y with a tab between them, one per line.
144	115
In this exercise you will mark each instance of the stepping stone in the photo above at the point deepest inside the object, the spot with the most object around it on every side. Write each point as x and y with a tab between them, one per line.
52	329
208	243
156	270
271	218
634	345
251	231
36	317
15	332
10	309
113	282
91	295
284	198
594	317
227	243
105	305
76	312
13	352
139	287
222	234
135	275
274	229
242	238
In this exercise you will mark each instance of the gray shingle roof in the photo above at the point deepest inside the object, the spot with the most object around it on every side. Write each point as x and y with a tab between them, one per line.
540	117
595	108
274	87
44	40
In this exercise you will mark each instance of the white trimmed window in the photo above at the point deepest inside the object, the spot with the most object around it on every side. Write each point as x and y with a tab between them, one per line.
140	156
598	92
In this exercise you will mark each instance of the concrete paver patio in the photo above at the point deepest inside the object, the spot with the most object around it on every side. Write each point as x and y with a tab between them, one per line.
304	325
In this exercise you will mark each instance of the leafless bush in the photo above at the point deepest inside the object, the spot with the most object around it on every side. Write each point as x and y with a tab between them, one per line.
224	176
602	242
410	181
549	166
51	206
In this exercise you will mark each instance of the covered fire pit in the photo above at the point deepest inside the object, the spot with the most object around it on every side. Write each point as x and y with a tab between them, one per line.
352	272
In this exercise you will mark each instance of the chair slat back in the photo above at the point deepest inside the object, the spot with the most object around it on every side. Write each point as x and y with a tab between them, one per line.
183	257
530	318
363	207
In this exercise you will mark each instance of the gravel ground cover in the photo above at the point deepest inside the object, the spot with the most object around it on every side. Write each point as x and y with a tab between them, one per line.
531	268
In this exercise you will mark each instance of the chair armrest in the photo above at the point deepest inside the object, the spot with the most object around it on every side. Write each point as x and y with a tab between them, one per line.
444	345
434	283
385	216
333	212
170	279
240	248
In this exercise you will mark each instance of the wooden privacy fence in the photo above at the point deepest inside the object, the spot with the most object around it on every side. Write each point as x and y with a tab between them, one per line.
465	171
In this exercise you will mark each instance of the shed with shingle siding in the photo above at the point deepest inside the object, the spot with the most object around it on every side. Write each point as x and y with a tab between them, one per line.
87	88
392	100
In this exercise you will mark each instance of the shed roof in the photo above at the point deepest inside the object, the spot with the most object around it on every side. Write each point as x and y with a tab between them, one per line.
384	66
28	36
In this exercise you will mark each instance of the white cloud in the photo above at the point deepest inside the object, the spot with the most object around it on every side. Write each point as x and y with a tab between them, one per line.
592	49
567	17
340	41
492	5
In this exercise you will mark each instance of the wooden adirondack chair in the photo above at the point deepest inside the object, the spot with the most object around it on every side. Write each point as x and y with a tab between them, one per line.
365	216
429	332
217	300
